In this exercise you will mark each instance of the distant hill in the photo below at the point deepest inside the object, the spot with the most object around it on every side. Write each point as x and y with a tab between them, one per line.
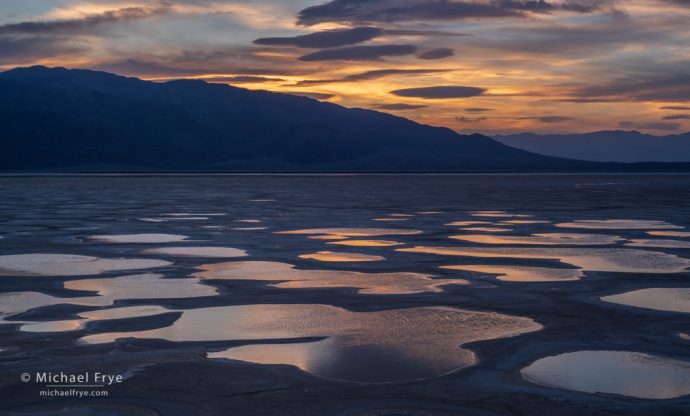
605	146
54	119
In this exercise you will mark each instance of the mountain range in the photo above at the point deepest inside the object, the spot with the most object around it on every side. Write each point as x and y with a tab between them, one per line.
56	119
605	146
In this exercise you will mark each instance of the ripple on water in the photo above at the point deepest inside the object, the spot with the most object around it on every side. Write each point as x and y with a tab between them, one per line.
193	214
524	222
662	299
197	251
467	223
12	303
384	346
354	232
139	238
327	237
626	373
397	283
542	239
146	286
487	229
619	225
98	315
497	214
338	257
367	243
680	234
69	265
522	273
659	243
588	259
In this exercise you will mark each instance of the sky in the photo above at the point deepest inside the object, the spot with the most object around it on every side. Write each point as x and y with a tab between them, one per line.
489	66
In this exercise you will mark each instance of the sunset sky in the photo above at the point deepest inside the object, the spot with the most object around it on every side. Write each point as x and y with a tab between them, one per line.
489	66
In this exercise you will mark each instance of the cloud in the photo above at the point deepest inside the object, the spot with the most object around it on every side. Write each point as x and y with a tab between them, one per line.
649	125
370	75
440	92
20	50
360	11
86	23
657	87
677	117
243	79
676	107
360	53
554	119
438	53
399	106
314	95
548	119
477	110
464	119
325	39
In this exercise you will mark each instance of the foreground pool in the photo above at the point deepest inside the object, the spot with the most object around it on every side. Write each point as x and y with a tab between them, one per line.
626	373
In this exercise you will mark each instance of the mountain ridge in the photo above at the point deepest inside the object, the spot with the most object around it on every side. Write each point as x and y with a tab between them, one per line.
606	145
72	119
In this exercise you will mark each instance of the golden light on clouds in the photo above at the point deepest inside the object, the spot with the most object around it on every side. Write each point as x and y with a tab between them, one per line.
570	67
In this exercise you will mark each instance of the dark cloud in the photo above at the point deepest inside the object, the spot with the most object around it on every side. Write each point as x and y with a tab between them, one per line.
325	39
649	125
477	110
440	92
464	119
411	32
548	119
399	106
369	75
314	95
20	50
243	79
173	66
658	87
554	119
677	117
380	73
360	11
586	100
676	108
360	53
438	53
86	23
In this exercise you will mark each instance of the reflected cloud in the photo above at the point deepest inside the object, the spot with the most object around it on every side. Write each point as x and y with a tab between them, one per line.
287	276
588	259
522	273
660	299
619	225
359	346
353	232
70	265
542	239
330	256
367	243
139	238
197	251
626	373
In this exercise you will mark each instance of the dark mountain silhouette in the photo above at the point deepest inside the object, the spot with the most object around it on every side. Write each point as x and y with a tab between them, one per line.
604	146
78	120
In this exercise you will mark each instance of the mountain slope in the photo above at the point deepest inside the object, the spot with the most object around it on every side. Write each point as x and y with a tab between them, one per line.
605	146
59	119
